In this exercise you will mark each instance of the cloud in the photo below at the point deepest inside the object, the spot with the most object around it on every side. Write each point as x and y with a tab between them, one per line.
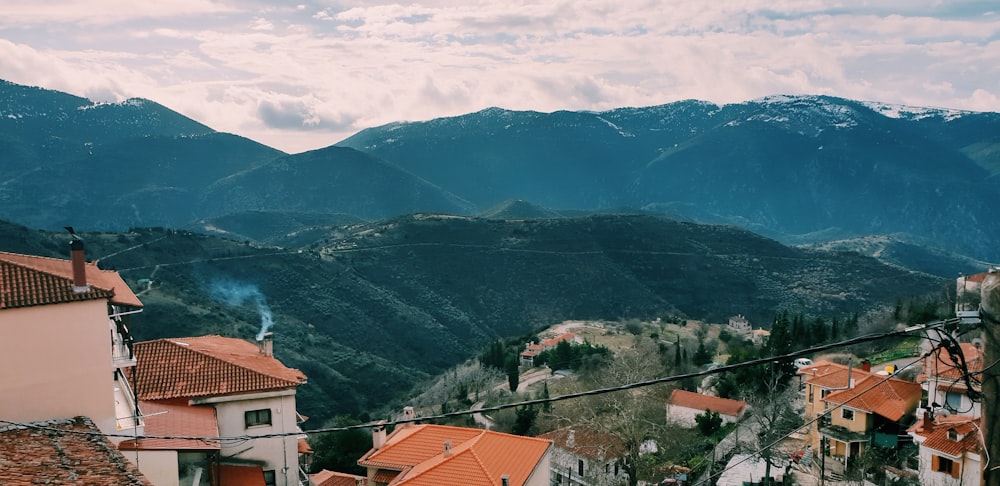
300	76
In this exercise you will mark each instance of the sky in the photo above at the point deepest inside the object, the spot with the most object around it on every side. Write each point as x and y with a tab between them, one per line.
299	76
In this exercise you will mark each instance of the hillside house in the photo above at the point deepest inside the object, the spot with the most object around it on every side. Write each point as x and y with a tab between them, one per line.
212	386
585	457
875	412
683	406
944	384
77	315
739	325
532	350
949	450
821	379
434	455
759	337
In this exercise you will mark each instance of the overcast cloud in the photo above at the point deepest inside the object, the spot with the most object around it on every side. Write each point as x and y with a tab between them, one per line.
304	76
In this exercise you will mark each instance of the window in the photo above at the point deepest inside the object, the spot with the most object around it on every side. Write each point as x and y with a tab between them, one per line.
945	465
810	393
257	417
847	414
953	435
579	467
269	478
953	401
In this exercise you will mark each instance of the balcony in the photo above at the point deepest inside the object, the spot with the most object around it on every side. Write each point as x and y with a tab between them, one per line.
121	346
128	417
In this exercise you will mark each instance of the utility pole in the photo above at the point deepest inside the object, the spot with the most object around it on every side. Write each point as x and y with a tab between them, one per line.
991	379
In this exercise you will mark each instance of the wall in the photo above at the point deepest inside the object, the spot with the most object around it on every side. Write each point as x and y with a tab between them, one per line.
541	475
971	471
57	363
160	467
858	424
279	453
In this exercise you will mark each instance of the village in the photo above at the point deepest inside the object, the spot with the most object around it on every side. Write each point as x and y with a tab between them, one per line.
214	410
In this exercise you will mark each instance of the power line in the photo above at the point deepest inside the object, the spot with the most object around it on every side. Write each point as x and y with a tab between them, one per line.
538	401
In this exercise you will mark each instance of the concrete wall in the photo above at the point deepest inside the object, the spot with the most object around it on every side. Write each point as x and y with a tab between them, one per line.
279	454
160	467
56	359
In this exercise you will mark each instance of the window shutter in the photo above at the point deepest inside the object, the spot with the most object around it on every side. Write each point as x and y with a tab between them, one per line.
956	469
935	463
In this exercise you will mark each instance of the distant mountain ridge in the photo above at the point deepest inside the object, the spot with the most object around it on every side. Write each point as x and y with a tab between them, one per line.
804	169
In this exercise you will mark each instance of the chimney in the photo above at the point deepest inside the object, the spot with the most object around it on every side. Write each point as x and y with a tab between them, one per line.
866	366
266	344
505	480
447	448
79	265
408	414
928	422
378	435
571	438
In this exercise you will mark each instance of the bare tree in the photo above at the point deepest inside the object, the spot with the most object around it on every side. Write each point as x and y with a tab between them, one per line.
772	416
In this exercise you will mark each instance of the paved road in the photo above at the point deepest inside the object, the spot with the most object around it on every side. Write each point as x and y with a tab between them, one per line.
526	379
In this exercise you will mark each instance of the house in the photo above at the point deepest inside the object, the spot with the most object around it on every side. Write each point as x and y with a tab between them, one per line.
950	448
76	312
875	412
759	337
333	478
683	406
739	324
585	457
532	350
63	451
215	386
433	455
821	379
944	384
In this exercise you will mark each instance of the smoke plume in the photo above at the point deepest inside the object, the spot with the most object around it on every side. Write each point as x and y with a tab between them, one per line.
237	294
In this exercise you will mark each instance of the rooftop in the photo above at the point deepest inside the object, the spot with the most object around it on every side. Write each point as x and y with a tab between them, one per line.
32	280
965	437
585	442
175	417
892	399
207	366
476	456
333	478
697	401
70	451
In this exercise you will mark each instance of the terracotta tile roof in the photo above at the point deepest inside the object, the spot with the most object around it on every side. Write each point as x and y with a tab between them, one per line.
27	280
303	447
333	478
241	475
207	366
175	417
892	398
585	442
966	430
476	456
941	366
723	406
76	453
832	375
387	476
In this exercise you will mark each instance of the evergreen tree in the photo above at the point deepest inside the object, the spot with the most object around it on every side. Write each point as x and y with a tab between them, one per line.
834	329
513	373
819	330
677	355
702	356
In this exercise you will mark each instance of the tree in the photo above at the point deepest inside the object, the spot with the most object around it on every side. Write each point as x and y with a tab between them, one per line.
632	416
773	417
524	423
513	373
339	451
708	423
702	356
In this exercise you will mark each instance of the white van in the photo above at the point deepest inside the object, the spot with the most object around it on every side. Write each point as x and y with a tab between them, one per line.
802	363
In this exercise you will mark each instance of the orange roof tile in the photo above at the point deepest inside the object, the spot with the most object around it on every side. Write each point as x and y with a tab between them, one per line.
174	417
941	366
832	375
586	442
723	406
241	475
476	456
334	478
892	398
70	451
27	280
966	428
207	366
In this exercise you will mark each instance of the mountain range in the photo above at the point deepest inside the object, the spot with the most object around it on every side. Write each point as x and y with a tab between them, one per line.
802	169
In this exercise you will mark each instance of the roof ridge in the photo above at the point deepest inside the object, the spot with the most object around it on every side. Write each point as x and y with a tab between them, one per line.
216	358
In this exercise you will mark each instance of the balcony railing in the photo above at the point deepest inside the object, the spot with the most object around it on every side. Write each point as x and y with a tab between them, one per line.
127	414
